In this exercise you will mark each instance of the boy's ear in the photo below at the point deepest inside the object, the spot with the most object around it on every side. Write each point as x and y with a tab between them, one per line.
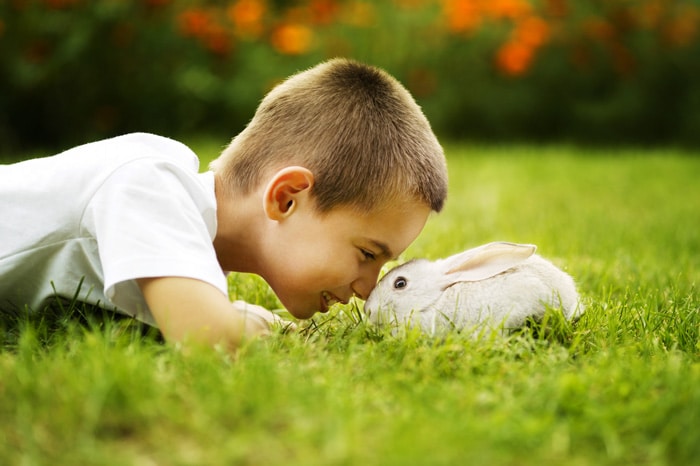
284	190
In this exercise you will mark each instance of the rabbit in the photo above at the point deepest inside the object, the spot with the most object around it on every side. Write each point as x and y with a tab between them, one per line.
498	285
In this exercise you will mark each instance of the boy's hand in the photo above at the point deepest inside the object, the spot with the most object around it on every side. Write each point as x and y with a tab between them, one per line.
262	316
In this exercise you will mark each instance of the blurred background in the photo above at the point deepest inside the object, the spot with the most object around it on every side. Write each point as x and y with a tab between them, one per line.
584	71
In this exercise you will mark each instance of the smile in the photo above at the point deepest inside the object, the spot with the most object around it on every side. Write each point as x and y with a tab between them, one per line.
327	300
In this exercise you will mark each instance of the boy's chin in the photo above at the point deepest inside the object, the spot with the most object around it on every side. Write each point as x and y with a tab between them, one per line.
301	312
306	314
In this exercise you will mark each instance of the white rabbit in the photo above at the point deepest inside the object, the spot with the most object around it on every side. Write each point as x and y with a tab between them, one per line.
497	284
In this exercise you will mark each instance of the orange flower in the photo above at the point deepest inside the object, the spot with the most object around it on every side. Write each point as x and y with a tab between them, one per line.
291	39
247	16
323	11
682	29
200	24
514	58
650	13
532	31
462	15
217	40
194	22
512	9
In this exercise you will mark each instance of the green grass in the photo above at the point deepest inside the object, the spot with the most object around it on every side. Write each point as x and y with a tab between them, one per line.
620	386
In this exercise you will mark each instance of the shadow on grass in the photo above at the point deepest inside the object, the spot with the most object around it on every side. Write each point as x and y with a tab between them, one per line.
64	318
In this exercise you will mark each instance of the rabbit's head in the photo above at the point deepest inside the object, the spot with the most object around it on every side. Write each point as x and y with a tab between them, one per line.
413	288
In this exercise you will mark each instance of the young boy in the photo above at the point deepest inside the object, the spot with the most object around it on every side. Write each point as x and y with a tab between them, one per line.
336	174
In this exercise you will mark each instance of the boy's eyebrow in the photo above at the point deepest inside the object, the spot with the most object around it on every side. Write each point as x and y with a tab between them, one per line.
386	252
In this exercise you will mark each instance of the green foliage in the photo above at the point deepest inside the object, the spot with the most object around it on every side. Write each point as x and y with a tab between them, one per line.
593	72
619	386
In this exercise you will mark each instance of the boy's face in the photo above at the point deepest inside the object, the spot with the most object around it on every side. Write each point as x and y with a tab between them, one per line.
317	260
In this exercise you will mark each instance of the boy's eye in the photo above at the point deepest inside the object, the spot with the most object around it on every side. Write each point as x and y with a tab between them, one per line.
367	254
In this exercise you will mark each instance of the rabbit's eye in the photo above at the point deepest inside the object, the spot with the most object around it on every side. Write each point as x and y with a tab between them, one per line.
400	283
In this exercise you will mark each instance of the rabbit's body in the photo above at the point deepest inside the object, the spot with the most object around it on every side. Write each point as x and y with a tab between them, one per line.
498	284
508	298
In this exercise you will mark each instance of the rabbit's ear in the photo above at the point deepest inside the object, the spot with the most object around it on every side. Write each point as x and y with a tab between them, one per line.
484	262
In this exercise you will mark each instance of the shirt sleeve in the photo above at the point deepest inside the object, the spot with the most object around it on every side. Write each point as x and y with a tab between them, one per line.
153	218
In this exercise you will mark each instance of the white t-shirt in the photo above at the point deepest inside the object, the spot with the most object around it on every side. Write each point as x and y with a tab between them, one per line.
106	213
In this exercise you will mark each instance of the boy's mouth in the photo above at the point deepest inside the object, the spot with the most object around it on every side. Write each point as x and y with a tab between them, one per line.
327	300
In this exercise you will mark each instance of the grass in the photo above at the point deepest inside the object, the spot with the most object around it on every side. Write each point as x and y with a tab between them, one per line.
620	386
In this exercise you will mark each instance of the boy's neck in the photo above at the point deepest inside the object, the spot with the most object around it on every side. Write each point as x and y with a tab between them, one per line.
239	230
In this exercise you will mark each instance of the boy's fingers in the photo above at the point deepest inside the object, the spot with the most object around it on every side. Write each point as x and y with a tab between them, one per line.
260	312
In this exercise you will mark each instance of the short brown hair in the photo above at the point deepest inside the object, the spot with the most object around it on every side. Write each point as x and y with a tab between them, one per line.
355	127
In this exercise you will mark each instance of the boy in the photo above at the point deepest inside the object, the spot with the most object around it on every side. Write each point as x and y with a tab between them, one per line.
335	174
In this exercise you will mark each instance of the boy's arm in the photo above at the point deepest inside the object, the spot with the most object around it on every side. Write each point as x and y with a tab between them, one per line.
185	308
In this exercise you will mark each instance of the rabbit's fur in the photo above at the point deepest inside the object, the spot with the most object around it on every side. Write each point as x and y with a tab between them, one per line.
498	284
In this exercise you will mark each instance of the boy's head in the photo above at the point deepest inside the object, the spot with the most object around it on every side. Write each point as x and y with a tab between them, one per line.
356	128
348	170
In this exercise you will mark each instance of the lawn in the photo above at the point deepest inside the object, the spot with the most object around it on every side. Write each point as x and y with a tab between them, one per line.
620	386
